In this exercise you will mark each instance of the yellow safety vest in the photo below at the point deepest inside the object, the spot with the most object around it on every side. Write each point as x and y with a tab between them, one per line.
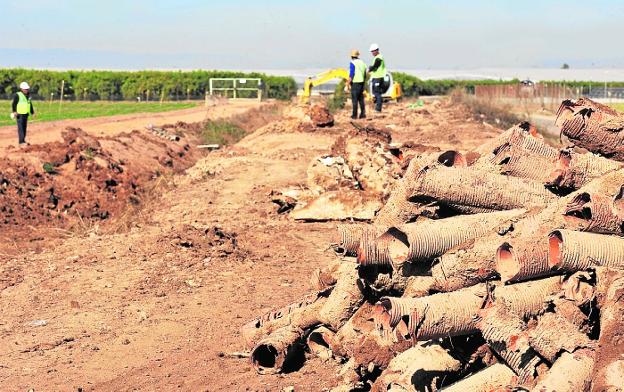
360	71
24	104
380	72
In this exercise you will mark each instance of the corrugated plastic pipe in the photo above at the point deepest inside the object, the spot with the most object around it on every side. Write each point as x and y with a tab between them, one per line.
319	342
420	241
526	259
418	369
609	369
347	238
571	372
345	298
493	378
466	264
272	353
575	250
373	249
504	332
553	334
594	212
469	187
593	126
301	314
446	314
517	162
527	299
574	170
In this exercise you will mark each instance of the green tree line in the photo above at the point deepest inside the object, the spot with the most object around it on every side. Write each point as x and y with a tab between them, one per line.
130	85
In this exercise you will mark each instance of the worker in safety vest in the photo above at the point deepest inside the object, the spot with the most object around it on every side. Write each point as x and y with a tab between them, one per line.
22	108
357	75
377	74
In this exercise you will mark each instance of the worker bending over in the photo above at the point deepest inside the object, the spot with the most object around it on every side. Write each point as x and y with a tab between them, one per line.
22	108
357	76
377	74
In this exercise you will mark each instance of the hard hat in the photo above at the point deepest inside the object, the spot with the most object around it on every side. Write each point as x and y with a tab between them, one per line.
355	53
24	86
374	47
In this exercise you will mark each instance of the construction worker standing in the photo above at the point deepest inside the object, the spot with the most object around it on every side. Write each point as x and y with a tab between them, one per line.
357	75
378	74
22	108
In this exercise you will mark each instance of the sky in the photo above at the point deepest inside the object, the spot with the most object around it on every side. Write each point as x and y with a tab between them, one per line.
294	34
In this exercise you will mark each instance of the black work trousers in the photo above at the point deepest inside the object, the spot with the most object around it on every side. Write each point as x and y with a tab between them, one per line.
22	123
378	90
357	98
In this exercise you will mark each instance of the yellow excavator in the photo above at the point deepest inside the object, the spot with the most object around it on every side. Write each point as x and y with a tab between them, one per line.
393	91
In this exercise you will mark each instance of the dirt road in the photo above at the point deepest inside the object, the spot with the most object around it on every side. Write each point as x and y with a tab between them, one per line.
159	307
107	126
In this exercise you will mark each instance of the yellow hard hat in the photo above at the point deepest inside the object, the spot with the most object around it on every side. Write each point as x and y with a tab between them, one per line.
355	53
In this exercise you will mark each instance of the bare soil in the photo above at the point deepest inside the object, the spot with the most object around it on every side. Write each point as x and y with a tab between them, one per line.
154	299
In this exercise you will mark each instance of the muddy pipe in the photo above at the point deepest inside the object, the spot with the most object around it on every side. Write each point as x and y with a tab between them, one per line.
526	299
594	212
434	316
345	298
477	188
420	368
491	378
319	342
301	314
526	259
553	334
421	241
609	370
593	126
467	264
573	170
273	353
575	250
571	372
517	162
504	332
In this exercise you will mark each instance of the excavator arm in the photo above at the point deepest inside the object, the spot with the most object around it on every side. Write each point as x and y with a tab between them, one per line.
322	78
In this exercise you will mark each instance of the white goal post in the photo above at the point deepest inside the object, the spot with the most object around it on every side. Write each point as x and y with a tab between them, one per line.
238	87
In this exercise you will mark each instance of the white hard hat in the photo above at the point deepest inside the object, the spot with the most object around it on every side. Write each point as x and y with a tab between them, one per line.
373	47
24	86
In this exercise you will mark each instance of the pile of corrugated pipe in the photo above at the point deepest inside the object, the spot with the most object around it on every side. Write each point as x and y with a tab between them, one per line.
501	269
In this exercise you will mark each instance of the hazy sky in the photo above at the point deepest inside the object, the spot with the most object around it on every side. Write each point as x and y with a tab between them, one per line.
280	34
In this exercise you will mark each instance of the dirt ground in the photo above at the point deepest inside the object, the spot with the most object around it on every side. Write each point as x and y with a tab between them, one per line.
42	132
157	303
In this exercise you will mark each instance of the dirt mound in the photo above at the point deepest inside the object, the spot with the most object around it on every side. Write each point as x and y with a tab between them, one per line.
84	178
321	116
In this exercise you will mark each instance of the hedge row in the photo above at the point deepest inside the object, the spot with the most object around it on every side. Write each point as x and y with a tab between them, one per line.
148	85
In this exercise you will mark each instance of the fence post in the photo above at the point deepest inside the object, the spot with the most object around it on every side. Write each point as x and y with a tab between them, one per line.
61	99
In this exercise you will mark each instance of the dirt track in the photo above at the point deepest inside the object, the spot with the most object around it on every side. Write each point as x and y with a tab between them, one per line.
107	126
159	307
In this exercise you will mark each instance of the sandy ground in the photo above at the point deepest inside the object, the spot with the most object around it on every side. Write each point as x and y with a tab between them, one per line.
41	132
159	307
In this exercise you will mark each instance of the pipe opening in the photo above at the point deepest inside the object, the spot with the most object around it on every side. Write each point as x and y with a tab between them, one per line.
555	245
506	264
265	356
580	207
452	158
398	246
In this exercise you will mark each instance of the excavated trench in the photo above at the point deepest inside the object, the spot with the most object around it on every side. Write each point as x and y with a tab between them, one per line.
87	180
